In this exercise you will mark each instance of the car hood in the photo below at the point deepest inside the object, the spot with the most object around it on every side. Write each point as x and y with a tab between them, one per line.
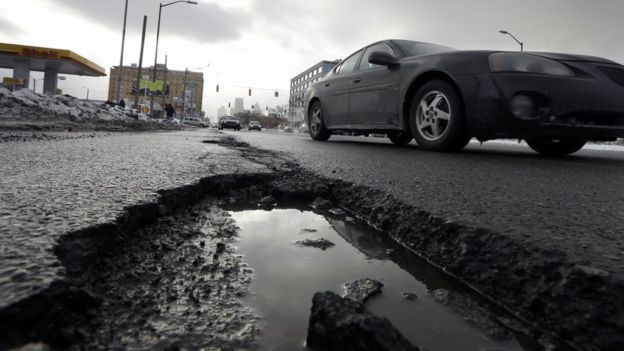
549	55
571	57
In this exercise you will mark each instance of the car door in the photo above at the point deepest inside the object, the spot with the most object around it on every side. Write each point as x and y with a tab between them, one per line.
337	89
375	92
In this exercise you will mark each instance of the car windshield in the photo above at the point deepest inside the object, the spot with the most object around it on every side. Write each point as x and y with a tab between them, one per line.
416	48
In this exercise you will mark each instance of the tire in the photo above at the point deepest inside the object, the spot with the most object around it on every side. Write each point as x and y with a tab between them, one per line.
400	138
316	123
437	118
556	147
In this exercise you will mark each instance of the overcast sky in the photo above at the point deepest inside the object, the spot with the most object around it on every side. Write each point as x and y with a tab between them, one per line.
264	43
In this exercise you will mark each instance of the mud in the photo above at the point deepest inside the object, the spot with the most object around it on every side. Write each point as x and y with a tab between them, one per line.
165	275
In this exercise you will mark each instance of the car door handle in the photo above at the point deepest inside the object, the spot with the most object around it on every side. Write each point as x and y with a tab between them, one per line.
357	80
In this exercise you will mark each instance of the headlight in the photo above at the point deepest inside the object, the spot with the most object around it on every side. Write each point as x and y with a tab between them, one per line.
511	62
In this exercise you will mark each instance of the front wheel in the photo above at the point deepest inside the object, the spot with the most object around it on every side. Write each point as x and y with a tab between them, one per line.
556	147
316	122
437	118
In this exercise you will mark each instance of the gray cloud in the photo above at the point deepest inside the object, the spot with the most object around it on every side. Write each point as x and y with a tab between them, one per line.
556	25
205	22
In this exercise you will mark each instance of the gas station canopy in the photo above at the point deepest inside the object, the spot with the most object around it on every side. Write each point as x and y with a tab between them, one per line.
23	59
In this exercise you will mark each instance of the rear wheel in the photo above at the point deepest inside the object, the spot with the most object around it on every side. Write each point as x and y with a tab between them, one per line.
400	138
316	122
437	118
556	147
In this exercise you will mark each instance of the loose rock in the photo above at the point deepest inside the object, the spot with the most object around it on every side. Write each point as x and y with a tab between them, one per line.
267	201
321	204
339	324
321	243
410	296
362	289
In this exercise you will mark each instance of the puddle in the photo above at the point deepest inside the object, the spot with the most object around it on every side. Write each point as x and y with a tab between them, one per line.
287	275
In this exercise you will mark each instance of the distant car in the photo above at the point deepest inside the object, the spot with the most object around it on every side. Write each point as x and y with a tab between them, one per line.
254	125
215	125
442	97
196	122
229	123
303	128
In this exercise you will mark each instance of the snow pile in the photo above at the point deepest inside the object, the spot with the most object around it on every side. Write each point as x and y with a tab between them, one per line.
26	104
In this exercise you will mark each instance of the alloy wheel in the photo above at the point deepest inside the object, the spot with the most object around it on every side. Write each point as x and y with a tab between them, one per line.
316	121
433	116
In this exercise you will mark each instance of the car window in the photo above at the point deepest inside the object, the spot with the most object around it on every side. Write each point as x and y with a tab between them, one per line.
348	65
415	48
364	64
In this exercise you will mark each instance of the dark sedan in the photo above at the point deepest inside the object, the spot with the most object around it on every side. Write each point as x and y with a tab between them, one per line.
229	123
443	97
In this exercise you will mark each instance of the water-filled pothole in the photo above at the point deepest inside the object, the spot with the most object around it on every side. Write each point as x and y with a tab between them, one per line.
432	310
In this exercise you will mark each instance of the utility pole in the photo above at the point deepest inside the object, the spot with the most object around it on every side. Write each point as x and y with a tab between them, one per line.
123	39
136	97
184	93
162	102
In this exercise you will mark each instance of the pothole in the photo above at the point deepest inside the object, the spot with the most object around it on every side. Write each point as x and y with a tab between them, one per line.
218	266
416	297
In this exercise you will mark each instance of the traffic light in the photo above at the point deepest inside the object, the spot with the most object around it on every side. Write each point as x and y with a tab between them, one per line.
228	105
249	91
276	93
217	88
267	108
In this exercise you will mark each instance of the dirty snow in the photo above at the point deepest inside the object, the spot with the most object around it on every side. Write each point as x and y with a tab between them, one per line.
26	104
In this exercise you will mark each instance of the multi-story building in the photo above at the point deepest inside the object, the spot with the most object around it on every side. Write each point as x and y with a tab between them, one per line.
239	106
175	79
300	83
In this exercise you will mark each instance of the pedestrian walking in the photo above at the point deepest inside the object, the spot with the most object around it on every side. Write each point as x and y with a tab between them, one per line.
170	111
122	103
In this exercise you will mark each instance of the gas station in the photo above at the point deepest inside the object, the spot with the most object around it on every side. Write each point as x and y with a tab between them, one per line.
22	59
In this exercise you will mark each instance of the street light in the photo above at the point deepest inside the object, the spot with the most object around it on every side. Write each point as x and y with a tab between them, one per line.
157	37
87	92
514	38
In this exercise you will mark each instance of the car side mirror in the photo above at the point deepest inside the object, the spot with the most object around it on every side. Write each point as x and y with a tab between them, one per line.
382	58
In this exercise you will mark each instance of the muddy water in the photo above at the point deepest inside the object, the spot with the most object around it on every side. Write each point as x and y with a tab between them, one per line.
286	276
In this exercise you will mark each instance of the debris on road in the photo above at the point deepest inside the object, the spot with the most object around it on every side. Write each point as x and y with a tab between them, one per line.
362	289
320	243
341	324
321	204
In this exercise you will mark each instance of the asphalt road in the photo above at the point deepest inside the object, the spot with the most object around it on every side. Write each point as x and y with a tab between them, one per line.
574	204
65	182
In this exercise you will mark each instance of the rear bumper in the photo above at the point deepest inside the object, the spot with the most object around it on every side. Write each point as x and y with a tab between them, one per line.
587	107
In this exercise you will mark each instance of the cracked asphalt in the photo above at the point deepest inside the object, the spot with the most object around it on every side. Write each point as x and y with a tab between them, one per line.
574	204
64	182
57	183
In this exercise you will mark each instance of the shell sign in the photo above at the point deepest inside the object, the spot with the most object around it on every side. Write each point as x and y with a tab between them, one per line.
47	54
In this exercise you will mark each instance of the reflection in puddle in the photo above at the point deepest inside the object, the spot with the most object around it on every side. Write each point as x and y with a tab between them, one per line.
286	276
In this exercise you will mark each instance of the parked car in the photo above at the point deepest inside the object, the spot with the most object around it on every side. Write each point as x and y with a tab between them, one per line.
254	125
443	97
196	122
229	123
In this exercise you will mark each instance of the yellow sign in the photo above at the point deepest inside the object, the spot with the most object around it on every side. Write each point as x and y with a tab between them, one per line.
159	84
145	109
43	53
12	81
52	54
